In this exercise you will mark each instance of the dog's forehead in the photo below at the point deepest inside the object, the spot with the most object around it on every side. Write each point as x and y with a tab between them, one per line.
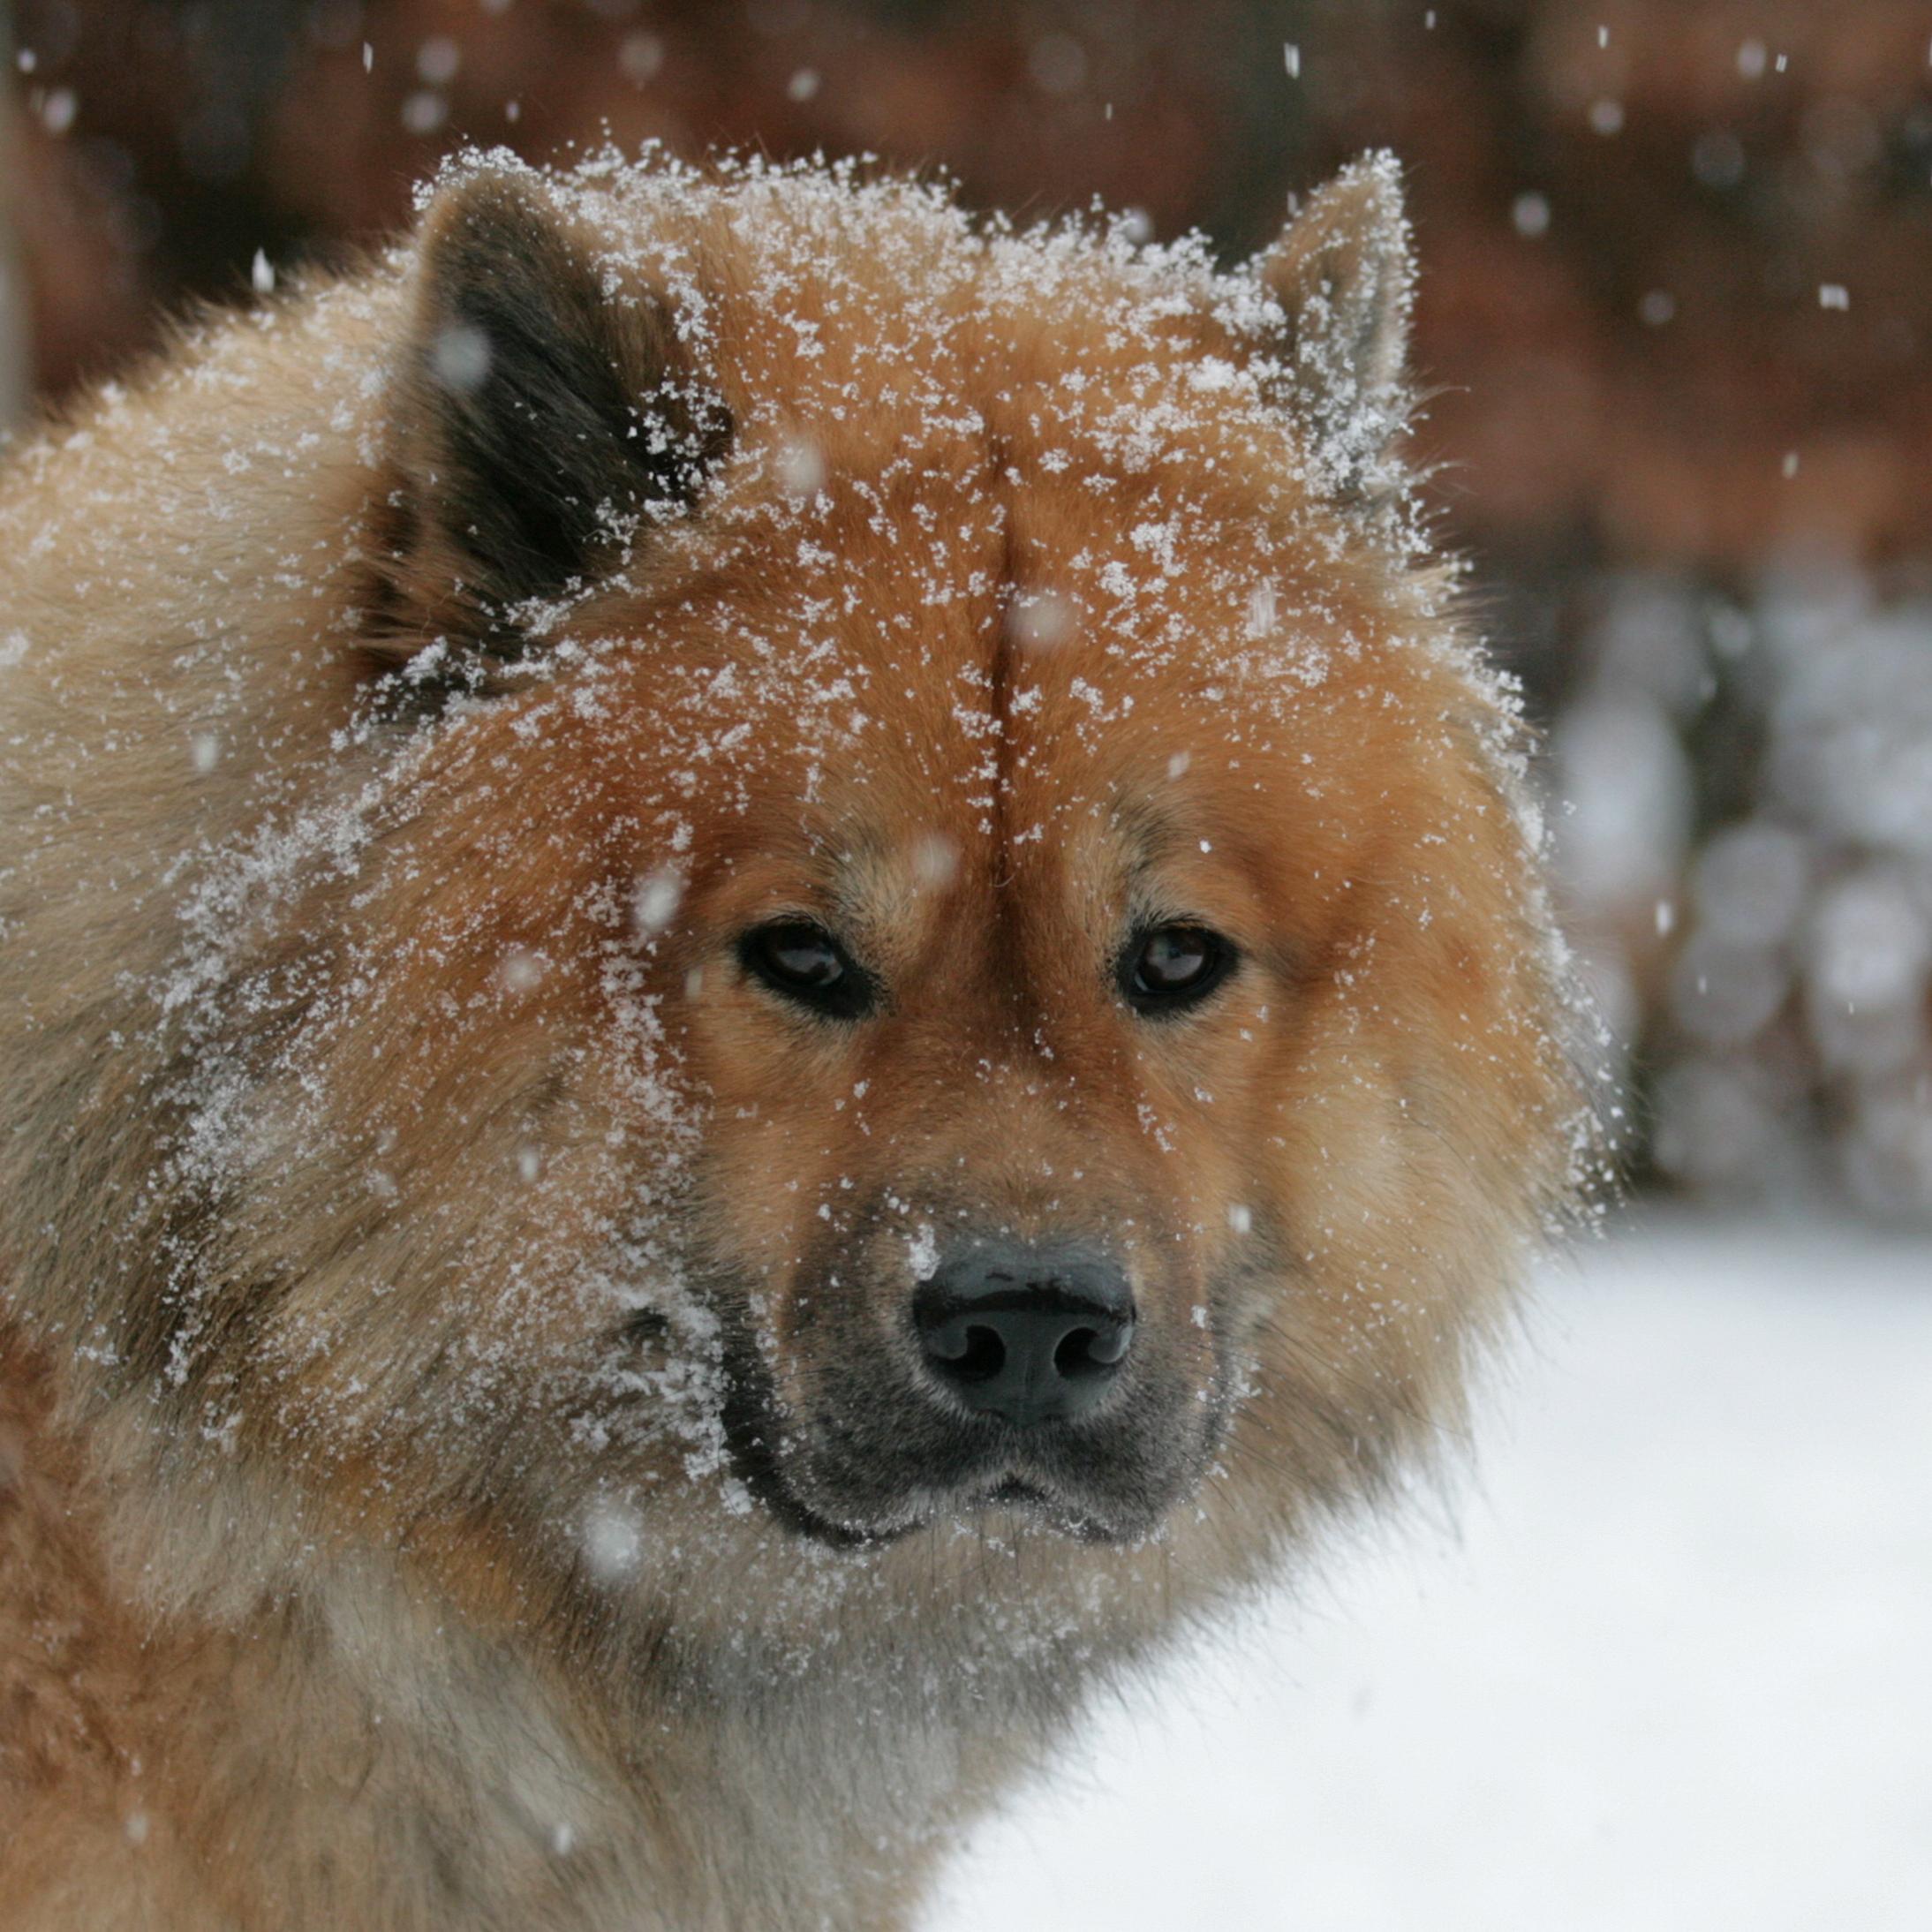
939	669
990	570
1095	721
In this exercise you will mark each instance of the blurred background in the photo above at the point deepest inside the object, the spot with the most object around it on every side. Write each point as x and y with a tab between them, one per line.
1676	329
1675	322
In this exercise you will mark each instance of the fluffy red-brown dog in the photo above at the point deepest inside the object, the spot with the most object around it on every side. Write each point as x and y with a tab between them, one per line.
771	973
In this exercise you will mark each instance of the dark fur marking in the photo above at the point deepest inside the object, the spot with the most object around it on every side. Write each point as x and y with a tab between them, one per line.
539	420
750	1426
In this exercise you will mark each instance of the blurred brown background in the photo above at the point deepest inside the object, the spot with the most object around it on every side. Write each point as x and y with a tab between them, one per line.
1676	321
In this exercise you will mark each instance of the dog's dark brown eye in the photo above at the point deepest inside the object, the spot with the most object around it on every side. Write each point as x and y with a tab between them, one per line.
1172	966
805	963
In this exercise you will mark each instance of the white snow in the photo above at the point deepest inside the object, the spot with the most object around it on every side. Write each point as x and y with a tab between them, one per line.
613	1541
1676	1674
655	903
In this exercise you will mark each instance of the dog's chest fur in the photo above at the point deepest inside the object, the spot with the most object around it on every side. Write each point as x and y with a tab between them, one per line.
358	1758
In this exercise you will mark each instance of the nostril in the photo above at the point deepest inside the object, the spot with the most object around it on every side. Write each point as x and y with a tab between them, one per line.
1093	1351
982	1357
1078	1353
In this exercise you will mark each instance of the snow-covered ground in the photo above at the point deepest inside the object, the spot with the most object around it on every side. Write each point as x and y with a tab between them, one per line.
1674	1670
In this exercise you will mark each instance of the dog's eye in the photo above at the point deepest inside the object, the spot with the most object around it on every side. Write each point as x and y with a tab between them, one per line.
805	963
1173	966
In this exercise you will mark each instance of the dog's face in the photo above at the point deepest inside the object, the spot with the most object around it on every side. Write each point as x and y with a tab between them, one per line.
942	934
1060	1012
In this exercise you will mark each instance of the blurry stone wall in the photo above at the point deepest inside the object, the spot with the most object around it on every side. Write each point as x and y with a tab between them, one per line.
1676	321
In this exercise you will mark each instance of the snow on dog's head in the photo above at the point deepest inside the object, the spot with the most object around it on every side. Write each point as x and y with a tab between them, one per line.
916	920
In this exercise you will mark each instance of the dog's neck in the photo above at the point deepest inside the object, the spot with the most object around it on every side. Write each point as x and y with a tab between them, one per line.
347	1748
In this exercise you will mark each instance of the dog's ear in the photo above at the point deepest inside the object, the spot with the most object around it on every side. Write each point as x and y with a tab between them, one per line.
1343	275
542	420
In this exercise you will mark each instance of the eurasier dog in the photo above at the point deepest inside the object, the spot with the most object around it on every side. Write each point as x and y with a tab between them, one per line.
771	973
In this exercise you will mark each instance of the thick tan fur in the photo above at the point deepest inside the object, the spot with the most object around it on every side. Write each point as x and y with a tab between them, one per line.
393	1144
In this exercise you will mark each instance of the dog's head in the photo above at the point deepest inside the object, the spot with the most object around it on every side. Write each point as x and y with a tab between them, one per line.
926	919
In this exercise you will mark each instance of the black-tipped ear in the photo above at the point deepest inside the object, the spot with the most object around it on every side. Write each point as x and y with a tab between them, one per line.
538	418
1343	273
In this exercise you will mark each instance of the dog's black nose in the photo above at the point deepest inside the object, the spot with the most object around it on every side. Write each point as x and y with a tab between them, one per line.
1031	1334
